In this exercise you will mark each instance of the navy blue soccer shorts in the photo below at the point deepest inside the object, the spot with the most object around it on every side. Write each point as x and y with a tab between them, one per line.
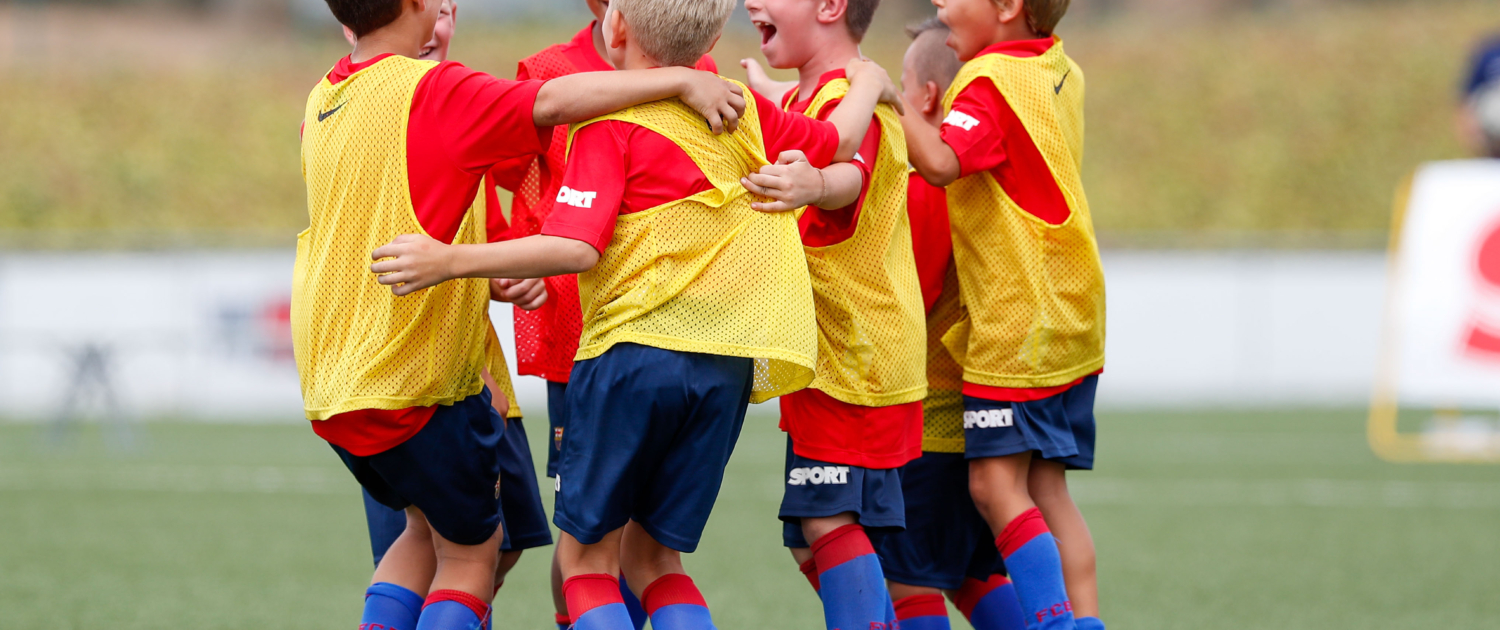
649	432
557	417
817	489
946	539
522	517
450	470
1059	427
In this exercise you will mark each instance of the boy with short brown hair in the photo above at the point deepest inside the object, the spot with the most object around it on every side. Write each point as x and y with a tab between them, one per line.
395	144
1031	337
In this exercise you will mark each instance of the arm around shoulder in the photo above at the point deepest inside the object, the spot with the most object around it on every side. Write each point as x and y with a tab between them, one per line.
933	159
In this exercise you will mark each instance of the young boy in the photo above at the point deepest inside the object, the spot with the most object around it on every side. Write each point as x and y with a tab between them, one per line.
694	305
547	338
522	517
1031	338
947	545
861	419
393	144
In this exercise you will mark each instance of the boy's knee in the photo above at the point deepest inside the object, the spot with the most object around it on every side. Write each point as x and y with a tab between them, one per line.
816	528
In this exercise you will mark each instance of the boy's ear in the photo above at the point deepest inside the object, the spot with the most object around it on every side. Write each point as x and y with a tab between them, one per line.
932	98
831	11
1010	10
614	29
349	36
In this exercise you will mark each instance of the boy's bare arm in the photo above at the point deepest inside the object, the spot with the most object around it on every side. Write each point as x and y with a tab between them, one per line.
934	160
414	262
793	182
761	82
579	97
869	85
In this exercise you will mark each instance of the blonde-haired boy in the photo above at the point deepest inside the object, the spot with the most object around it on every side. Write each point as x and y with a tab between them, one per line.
1031	337
695	304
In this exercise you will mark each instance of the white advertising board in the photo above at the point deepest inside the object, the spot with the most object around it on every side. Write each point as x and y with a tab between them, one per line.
1445	299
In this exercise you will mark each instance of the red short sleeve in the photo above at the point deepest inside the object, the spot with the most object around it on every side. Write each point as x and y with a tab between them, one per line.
975	128
707	64
593	185
480	120
785	131
820	227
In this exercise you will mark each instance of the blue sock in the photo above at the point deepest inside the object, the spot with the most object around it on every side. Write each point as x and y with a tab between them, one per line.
852	583
922	612
632	604
390	607
453	610
991	604
1089	623
595	603
1031	557
675	604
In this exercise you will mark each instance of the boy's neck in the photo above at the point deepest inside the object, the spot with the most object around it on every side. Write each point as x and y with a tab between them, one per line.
1017	31
599	45
833	54
402	37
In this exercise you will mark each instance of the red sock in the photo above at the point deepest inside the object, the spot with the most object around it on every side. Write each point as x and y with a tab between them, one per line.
669	589
973	590
481	609
1020	531
587	592
810	571
562	620
841	545
920	606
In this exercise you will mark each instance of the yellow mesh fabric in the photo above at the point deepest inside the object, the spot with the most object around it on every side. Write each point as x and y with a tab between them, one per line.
1033	292
866	291
706	274
943	409
495	362
357	345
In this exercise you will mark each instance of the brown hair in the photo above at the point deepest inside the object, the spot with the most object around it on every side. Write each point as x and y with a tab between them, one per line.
675	32
363	16
1043	15
934	60
858	16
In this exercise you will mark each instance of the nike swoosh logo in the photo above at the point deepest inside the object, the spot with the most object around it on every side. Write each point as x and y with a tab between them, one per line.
324	115
1055	90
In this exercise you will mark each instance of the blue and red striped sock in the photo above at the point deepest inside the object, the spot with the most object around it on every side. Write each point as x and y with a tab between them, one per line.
851	582
595	603
390	607
809	570
922	612
1031	557
637	612
991	604
1089	623
674	603
562	621
453	610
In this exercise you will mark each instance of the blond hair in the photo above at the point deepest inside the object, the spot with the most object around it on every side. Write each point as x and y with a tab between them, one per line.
675	32
1043	15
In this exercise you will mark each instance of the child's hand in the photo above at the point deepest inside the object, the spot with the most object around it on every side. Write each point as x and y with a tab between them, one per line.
761	82
791	181
864	70
720	101
528	295
415	263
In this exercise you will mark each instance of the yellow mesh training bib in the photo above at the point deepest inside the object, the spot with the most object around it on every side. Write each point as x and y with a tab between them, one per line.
358	346
943	409
1033	292
706	274
865	288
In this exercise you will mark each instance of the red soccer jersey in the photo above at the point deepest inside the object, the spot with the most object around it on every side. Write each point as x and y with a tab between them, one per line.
989	136
823	427
931	240
547	338
629	168
462	124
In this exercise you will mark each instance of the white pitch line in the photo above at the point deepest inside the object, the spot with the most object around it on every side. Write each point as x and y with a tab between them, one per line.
1317	493
182	478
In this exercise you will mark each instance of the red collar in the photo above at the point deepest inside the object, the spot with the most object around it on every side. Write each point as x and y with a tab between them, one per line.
581	51
803	101
1019	47
346	68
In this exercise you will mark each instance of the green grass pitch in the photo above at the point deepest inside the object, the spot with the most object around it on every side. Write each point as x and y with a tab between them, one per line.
1276	520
